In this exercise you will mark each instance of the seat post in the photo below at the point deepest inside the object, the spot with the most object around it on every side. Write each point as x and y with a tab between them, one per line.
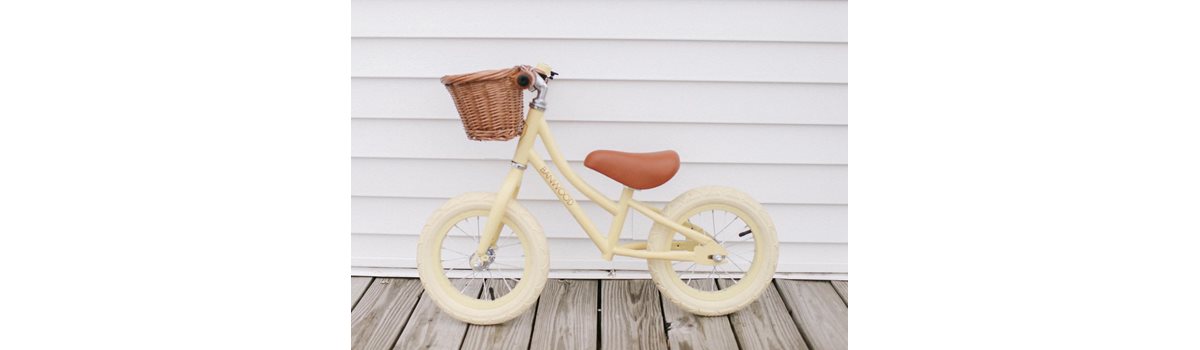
618	223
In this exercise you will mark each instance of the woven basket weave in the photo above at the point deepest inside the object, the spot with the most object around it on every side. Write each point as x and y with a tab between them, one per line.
489	102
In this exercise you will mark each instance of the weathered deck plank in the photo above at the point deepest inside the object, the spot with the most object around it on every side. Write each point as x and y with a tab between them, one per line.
566	315
393	313
818	310
843	289
430	328
382	312
688	331
513	334
631	315
766	324
358	286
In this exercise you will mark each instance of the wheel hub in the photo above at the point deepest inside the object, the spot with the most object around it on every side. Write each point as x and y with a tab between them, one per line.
480	263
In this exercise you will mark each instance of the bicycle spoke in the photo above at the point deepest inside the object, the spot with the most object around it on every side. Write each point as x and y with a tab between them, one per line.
743	251
505	280
738	241
465	233
726	226
508	245
725	214
718	272
740	256
505	265
464	288
689	270
490	288
730	278
739	267
456	259
722	242
713	216
455	251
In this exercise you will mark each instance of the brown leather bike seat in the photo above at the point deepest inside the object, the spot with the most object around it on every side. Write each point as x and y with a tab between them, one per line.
636	170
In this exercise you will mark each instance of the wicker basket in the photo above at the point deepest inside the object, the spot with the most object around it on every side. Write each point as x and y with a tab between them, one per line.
489	102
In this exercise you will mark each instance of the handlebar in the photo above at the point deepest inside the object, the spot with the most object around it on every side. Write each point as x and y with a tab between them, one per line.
538	83
527	81
545	71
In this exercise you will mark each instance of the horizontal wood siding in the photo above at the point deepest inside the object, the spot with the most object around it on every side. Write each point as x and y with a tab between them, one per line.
804	223
730	144
605	59
445	178
640	101
752	94
794	21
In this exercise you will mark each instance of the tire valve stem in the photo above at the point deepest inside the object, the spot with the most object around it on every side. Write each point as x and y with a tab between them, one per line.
492	291
744	233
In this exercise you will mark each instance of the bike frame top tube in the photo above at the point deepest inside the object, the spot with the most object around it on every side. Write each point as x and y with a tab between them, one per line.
543	131
572	206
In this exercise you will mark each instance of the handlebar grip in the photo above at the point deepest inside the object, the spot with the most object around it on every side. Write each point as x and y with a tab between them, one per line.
543	69
524	80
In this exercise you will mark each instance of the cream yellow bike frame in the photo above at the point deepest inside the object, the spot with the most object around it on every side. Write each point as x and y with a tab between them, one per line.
699	246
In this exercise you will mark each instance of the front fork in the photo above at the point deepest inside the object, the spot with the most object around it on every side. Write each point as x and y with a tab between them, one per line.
512	182
491	230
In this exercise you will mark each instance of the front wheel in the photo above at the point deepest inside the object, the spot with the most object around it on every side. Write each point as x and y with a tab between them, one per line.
471	290
739	224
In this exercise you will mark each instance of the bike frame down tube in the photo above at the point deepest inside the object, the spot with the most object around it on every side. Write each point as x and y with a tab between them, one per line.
536	126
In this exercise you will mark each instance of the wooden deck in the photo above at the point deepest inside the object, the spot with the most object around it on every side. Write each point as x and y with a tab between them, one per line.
393	313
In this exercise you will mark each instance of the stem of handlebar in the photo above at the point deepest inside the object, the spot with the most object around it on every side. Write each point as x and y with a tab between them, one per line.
543	89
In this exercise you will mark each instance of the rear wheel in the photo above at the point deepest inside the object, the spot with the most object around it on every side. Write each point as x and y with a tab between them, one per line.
736	222
482	292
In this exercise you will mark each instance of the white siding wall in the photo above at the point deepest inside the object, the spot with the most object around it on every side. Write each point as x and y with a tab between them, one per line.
751	93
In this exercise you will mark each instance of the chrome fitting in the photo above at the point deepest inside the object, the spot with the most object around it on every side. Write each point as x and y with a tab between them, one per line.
542	89
514	164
